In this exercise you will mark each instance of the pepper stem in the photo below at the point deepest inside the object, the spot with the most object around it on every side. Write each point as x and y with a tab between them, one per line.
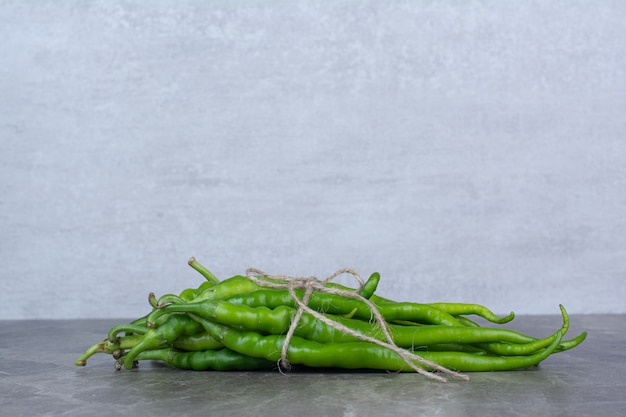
203	271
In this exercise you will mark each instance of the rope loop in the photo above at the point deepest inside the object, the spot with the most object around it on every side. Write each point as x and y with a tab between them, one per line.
311	284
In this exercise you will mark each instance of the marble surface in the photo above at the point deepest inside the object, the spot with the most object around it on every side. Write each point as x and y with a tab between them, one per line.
38	378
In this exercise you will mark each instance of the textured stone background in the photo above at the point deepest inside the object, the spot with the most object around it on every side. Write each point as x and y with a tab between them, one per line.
468	151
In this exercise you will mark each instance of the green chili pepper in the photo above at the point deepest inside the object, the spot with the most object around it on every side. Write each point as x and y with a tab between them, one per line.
341	305
366	291
108	346
196	342
240	285
190	343
463	309
468	362
525	348
277	321
370	286
571	343
229	287
190	293
175	326
215	360
360	355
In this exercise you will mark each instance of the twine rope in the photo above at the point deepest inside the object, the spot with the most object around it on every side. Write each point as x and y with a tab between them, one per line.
311	284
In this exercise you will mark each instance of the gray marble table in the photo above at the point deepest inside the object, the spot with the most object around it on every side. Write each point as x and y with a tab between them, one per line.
38	378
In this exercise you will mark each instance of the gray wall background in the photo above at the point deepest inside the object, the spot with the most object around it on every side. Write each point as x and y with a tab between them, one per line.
467	150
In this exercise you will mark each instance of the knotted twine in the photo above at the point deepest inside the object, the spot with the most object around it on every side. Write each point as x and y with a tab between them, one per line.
310	284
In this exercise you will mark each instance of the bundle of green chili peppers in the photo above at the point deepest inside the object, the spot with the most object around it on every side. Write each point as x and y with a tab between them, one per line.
256	322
